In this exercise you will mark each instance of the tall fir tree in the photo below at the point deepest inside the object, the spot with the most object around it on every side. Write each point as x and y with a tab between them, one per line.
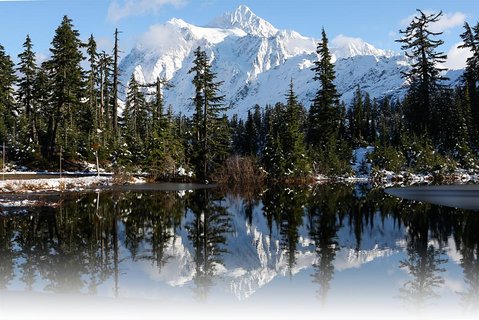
323	114
68	90
93	79
211	141
294	150
26	92
105	69
42	97
329	153
116	75
425	76
135	118
470	39
165	148
273	155
7	100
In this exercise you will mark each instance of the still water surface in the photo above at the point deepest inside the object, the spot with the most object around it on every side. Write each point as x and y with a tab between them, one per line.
327	250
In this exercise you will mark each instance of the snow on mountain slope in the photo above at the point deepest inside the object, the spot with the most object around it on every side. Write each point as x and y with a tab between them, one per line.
345	47
256	62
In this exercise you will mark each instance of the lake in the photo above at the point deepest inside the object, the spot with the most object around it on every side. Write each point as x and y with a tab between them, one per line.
330	251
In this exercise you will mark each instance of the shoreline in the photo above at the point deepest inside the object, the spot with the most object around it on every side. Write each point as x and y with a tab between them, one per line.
50	182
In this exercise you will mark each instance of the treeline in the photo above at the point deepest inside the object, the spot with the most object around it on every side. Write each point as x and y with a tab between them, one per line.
62	108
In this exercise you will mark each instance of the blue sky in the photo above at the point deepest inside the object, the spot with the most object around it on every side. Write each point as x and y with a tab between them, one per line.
376	22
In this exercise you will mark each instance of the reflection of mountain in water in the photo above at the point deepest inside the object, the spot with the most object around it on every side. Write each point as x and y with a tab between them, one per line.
254	255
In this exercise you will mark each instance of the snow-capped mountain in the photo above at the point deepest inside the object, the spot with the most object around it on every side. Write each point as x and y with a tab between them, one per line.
256	61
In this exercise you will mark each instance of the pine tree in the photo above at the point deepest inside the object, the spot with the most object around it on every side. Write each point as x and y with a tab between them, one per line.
116	74
323	114
165	149
273	157
470	39
135	118
105	112
293	137
93	79
355	116
26	90
424	77
42	97
7	100
66	74
251	135
211	140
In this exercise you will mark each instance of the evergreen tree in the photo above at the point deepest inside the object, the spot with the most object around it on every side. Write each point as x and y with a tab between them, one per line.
367	120
273	157
165	149
424	77
105	112
116	74
293	137
257	119
323	114
135	118
329	153
68	89
355	117
93	79
251	135
26	91
470	39
211	141
42	97
7	100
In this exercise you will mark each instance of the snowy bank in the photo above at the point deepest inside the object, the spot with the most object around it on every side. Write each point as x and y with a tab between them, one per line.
60	184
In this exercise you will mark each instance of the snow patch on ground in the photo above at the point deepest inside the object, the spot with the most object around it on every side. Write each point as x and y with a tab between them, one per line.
60	184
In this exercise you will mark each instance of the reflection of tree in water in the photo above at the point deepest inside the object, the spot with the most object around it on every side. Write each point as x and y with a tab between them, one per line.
285	207
468	244
207	232
290	220
324	223
423	262
75	247
150	220
8	253
55	245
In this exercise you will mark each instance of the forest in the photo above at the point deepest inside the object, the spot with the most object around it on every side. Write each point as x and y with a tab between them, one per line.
69	107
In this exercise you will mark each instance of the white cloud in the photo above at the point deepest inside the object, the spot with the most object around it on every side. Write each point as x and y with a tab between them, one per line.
456	58
104	43
125	8
447	21
158	36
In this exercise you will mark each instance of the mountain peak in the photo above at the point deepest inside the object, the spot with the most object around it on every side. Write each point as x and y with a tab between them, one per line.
245	19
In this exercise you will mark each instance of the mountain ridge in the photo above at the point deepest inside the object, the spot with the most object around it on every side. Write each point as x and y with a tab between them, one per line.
255	61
